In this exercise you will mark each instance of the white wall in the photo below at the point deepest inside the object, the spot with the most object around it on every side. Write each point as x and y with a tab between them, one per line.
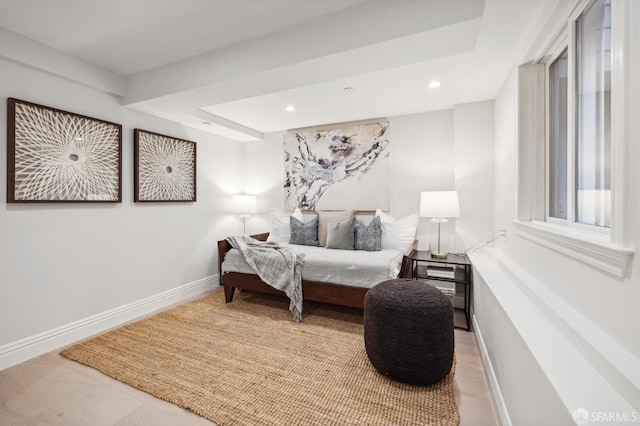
69	270
525	389
579	327
60	264
474	172
609	302
264	176
423	158
505	151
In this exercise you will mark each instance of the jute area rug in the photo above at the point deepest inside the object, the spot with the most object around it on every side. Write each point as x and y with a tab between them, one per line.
248	363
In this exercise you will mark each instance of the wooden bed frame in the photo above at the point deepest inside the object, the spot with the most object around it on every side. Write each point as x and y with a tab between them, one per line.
336	294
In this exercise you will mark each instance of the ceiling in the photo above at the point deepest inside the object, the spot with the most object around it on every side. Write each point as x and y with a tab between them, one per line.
231	66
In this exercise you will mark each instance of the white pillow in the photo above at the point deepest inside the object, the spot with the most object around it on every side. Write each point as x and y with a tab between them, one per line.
398	234
281	226
298	215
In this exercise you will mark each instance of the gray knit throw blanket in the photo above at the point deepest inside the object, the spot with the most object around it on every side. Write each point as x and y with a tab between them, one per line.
278	266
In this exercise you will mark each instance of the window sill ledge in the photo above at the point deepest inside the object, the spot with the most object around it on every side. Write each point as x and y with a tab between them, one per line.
594	251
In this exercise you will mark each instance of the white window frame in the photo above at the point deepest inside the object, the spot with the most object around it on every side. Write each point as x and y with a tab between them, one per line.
604	249
557	50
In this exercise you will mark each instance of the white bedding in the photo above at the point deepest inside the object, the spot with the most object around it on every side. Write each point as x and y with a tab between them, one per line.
355	268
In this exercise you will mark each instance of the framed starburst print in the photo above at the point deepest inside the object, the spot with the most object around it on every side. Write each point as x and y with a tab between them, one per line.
164	168
59	156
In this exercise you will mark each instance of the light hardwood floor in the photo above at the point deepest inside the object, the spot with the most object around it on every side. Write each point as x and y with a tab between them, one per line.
51	390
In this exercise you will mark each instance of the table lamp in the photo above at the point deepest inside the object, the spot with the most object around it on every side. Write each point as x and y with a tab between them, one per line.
245	205
439	205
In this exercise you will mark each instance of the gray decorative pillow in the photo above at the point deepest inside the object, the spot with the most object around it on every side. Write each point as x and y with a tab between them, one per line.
326	216
340	234
304	233
369	237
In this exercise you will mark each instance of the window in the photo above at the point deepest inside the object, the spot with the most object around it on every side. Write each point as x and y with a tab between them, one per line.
579	185
573	126
593	115
557	137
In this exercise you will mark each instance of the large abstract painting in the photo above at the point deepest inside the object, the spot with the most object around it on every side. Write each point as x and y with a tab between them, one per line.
164	168
336	167
59	156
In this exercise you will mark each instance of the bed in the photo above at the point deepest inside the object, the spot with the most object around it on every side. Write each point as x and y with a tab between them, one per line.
321	282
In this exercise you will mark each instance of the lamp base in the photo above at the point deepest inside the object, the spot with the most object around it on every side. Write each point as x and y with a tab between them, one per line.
244	222
439	238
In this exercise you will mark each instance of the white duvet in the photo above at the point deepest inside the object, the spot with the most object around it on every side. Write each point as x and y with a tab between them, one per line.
355	268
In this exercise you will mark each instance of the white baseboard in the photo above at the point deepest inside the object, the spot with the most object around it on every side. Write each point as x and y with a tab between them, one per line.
499	406
16	352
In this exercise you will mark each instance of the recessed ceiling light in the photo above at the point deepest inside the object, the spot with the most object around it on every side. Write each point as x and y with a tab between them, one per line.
206	123
289	108
348	89
434	83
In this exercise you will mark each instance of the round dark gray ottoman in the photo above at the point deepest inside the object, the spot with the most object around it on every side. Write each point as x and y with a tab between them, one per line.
408	331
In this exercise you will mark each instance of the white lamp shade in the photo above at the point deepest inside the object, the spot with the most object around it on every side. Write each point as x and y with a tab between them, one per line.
245	204
439	204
